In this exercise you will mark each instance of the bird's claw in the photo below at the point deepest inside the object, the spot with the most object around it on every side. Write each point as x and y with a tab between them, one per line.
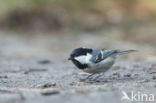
96	79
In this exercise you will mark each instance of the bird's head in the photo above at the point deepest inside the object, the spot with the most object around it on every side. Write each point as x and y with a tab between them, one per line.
78	57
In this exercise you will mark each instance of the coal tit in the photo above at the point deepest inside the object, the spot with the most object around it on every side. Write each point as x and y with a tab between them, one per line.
95	61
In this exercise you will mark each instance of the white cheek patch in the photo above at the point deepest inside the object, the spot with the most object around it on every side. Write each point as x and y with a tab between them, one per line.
88	57
85	59
81	59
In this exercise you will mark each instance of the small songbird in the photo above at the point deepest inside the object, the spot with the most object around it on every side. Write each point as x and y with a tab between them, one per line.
95	61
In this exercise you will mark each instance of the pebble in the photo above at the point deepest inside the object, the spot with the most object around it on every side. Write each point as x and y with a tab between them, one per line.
50	92
4	76
127	75
154	77
48	85
44	62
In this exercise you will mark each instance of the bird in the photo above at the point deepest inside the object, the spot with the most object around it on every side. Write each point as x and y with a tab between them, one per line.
95	61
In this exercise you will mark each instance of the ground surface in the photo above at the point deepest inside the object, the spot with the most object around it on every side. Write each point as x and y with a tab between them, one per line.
35	69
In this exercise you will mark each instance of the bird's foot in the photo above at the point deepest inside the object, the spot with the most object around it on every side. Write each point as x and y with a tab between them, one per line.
91	79
97	78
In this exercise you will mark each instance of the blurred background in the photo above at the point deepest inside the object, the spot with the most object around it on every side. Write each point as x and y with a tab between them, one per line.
121	24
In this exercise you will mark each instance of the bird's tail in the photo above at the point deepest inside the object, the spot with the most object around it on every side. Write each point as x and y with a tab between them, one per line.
126	52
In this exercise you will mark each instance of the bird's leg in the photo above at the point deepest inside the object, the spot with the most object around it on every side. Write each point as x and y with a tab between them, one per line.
88	77
97	77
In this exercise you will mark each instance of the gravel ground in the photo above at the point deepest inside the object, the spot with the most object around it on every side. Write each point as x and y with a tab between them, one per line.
35	69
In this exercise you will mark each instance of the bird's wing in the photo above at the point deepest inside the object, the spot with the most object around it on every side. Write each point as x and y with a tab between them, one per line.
99	55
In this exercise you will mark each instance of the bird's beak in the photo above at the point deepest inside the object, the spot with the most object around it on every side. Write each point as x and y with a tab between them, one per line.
69	58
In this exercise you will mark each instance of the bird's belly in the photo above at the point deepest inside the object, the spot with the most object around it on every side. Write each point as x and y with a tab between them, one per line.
101	66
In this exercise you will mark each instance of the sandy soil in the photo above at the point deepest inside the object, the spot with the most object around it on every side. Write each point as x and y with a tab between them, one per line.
35	69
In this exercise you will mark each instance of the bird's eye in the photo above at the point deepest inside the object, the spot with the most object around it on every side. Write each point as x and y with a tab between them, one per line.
72	55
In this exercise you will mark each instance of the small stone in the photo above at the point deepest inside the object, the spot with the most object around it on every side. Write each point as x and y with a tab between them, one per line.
44	62
154	77
115	75
48	85
48	93
127	75
136	75
4	76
